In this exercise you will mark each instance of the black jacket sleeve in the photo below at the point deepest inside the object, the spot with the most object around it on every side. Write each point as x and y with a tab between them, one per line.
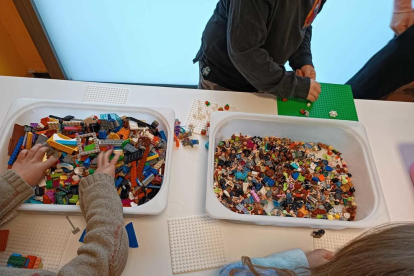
303	55
246	34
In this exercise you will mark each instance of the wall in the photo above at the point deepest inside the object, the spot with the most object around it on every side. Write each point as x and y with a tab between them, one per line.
17	51
142	41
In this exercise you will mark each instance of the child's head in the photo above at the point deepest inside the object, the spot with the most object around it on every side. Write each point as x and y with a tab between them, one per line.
384	250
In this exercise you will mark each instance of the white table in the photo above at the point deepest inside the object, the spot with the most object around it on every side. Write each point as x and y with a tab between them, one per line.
390	127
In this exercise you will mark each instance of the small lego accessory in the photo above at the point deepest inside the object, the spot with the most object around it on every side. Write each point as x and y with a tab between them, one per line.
308	104
4	235
220	109
284	99
203	132
75	230
333	113
227	107
207	103
318	234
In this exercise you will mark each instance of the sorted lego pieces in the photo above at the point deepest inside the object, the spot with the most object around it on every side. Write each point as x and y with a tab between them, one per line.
77	142
280	177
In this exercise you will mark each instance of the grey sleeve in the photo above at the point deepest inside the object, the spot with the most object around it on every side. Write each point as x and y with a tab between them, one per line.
303	55
105	251
246	34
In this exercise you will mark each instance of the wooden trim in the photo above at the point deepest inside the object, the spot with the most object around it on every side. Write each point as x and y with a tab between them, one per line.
39	37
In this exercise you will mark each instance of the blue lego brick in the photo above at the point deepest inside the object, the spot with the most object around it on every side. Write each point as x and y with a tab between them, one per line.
162	134
16	151
82	237
132	238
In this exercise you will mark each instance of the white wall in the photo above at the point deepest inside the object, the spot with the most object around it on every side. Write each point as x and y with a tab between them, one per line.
146	41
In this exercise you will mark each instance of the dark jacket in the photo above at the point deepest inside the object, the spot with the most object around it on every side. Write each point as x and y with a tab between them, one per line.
247	42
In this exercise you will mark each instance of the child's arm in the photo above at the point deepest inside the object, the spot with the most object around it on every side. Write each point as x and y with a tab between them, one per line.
105	251
403	16
303	55
16	184
246	33
295	260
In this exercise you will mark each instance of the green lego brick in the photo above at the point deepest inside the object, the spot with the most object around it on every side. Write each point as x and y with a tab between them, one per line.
333	97
16	261
89	147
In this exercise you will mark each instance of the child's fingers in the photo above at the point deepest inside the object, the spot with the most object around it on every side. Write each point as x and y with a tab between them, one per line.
49	162
40	154
22	155
101	156
115	159
106	158
32	151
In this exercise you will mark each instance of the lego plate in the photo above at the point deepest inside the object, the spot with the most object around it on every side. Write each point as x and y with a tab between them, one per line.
348	137
24	111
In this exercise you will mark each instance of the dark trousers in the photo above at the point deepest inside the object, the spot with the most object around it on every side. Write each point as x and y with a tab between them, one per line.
388	70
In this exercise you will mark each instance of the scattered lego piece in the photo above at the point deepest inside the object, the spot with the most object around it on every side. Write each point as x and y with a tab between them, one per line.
280	177
318	234
75	229
308	104
82	237
284	99
333	113
16	151
207	103
227	107
4	235
132	238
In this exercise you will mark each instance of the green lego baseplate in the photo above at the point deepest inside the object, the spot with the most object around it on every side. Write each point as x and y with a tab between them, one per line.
333	97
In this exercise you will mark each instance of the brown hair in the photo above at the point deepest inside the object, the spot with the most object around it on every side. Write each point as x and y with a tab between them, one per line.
384	250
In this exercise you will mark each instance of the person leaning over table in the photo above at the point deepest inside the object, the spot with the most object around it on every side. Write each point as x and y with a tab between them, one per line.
246	44
105	250
393	66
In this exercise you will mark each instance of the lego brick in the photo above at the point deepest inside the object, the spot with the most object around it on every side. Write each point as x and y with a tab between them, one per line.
111	142
333	97
132	238
45	241
16	151
81	150
128	158
196	243
4	235
18	131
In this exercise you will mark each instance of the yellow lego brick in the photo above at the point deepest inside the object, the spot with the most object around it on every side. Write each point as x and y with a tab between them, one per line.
29	140
152	157
55	145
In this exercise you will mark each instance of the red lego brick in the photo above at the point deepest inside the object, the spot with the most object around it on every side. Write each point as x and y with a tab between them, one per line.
4	235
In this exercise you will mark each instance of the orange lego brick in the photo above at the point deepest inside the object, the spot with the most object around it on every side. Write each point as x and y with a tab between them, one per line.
133	174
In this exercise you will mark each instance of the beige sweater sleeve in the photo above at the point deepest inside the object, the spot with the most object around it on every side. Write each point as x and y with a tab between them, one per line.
13	192
105	251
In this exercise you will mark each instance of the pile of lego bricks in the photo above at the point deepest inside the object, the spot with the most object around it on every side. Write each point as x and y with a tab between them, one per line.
280	177
77	142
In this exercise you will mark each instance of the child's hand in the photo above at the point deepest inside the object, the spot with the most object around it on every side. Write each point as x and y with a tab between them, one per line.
314	91
307	71
106	166
29	164
402	21
319	257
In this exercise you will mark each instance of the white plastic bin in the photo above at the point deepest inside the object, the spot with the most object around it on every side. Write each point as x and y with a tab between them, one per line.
25	111
348	137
